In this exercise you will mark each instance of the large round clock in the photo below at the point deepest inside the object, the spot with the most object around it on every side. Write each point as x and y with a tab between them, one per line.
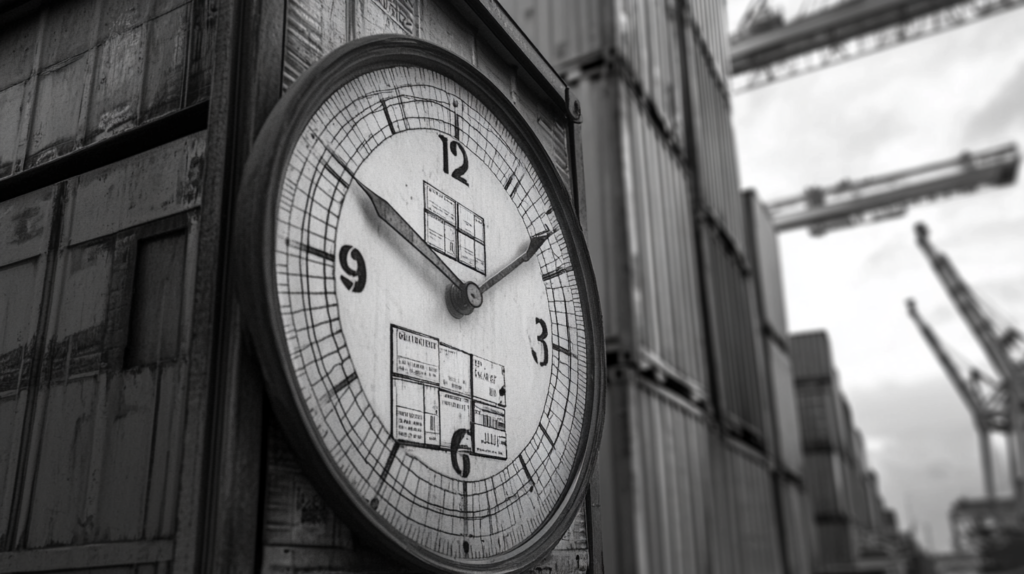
423	307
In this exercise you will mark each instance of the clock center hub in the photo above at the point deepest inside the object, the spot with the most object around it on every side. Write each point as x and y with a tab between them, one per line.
462	300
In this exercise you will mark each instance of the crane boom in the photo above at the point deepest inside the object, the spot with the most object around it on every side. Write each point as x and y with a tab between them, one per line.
845	31
988	409
987	405
851	203
1003	349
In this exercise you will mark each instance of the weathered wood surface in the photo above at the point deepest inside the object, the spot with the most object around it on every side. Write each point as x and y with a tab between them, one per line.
96	289
77	72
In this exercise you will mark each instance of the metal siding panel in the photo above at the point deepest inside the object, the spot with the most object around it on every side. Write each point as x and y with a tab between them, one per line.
641	232
732	334
796	527
790	443
827	485
657	507
811	354
764	250
837	542
758	542
819	414
715	153
606	232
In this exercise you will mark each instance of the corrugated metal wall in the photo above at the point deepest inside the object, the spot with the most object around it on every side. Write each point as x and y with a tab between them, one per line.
683	303
655	484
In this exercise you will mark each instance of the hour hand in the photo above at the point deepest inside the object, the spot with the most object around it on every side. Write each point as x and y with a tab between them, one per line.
536	242
402	227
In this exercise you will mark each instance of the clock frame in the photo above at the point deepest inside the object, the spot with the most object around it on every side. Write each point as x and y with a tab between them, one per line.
254	256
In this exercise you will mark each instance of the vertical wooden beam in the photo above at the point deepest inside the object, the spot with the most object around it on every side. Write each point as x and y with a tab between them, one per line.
223	511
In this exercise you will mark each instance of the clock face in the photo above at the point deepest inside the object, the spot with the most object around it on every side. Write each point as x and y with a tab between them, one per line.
431	308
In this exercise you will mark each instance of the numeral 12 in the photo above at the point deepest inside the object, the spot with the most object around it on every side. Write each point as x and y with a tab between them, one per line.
456	150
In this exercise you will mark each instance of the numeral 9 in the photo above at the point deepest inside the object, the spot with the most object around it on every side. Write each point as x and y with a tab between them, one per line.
356	280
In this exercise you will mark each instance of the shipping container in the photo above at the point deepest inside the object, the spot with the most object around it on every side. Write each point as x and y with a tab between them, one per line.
812	356
733	334
133	430
837	543
827	484
797	526
820	408
710	20
640	231
764	254
656	487
875	503
714	152
787	410
640	39
756	515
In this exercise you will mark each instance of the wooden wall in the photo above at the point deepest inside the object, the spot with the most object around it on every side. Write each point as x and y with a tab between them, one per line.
133	431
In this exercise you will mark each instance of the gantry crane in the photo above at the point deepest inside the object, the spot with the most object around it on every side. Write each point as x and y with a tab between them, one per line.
767	48
1002	343
850	203
985	398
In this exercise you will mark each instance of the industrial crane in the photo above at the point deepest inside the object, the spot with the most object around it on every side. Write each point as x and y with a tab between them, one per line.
767	48
1002	343
985	398
850	203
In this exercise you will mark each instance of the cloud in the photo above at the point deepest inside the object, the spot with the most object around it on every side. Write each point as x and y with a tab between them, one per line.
1002	113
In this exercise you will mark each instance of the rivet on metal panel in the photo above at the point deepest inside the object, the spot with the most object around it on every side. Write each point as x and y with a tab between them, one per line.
575	111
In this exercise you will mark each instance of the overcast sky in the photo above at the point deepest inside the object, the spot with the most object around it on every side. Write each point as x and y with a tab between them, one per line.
924	101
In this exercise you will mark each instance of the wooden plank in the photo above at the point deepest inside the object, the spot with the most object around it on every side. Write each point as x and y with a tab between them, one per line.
146	187
87	556
25	225
87	70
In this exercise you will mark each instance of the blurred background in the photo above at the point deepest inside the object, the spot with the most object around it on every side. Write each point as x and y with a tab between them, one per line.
852	122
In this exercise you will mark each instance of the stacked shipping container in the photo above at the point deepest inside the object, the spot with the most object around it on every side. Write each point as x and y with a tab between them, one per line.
848	508
689	287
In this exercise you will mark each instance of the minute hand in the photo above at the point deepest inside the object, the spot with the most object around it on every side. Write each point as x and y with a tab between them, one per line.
402	227
535	244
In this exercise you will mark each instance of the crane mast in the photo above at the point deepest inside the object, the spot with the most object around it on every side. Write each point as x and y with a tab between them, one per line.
767	48
1003	348
876	198
985	399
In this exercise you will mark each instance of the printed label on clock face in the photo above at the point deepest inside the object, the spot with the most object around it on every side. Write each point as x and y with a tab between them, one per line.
461	434
438	391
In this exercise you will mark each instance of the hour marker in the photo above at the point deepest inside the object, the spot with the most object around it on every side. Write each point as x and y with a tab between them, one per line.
384	104
391	459
509	182
561	349
546	435
340	161
552	274
311	250
344	383
526	470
